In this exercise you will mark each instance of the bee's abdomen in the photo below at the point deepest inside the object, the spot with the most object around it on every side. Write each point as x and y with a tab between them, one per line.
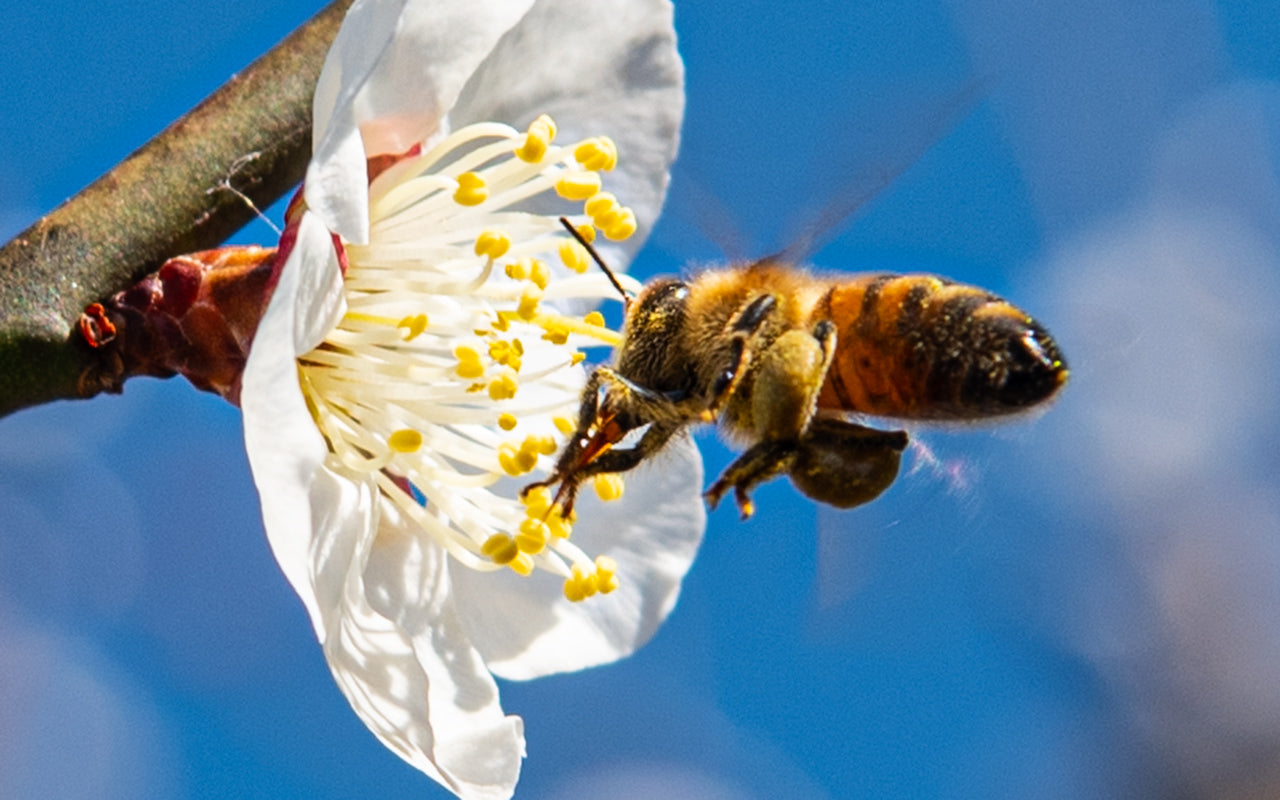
921	347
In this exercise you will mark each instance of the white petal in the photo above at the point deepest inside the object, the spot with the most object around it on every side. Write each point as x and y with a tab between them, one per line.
284	447
391	77
525	628
402	658
598	67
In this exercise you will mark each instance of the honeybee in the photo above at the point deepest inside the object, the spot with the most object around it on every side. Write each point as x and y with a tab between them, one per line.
785	361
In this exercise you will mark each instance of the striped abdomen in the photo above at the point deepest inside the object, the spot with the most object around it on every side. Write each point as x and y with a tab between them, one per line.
921	347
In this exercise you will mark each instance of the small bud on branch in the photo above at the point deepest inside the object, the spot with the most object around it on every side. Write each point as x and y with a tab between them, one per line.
161	201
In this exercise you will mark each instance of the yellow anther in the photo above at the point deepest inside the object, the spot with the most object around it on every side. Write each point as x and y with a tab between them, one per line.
578	185
527	459
500	548
606	585
517	346
609	217
529	299
522	564
577	358
532	538
600	203
540	133
580	585
507	422
518	270
503	322
507	459
503	387
555	333
492	244
623	228
573	592
506	353
412	327
469	365
594	318
560	527
598	152
537	501
608	487
539	273
545	445
606	574
471	190
574	256
565	425
587	232
405	440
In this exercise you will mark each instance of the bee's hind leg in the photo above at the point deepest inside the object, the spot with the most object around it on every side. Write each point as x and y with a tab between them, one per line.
788	377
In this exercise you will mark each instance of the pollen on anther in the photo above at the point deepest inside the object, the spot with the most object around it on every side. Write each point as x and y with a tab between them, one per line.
622	228
508	460
532	538
529	299
503	387
594	318
492	244
517	270
598	152
600	203
578	185
573	256
522	564
556	333
540	444
469	365
564	425
405	440
537	501
606	574
471	191
500	548
539	135
608	487
412	327
539	273
507	422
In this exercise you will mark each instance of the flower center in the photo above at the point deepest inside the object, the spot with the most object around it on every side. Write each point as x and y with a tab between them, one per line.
451	372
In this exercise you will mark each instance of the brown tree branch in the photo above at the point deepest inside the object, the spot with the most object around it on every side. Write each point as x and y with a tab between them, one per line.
169	197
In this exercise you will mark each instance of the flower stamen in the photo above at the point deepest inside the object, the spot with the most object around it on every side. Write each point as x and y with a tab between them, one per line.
423	405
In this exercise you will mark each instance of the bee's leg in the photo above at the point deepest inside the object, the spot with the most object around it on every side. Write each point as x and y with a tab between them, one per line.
741	329
762	461
626	406
789	375
843	464
607	462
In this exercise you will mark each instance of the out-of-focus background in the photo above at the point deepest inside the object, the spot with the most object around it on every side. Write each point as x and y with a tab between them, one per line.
1082	605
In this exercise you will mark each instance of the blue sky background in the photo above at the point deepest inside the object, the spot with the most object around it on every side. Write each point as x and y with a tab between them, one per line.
1079	606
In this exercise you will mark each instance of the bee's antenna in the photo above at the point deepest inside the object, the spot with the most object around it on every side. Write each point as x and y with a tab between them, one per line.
576	234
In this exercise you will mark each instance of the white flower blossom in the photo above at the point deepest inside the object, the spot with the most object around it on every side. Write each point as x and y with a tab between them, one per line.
417	364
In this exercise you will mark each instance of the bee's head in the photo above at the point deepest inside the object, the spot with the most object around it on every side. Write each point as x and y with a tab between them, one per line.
653	321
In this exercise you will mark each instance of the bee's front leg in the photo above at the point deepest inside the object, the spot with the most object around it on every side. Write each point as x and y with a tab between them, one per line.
612	408
742	330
